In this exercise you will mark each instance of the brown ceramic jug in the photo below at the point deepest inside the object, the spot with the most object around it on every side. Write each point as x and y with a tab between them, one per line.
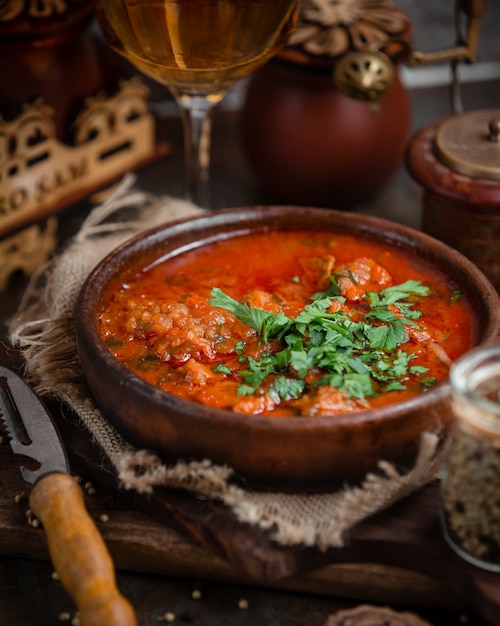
49	52
310	144
308	141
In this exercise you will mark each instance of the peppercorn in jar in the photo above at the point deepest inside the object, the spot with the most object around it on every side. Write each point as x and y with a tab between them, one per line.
471	479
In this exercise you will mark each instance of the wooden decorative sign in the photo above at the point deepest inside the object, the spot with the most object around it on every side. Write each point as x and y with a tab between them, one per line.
27	249
39	174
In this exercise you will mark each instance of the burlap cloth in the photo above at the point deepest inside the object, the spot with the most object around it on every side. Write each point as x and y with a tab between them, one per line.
44	329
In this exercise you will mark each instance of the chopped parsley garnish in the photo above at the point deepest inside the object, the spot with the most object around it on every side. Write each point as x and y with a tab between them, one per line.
267	325
455	296
240	347
360	355
393	332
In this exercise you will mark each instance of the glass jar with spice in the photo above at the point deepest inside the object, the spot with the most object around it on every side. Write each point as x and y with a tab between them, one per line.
470	512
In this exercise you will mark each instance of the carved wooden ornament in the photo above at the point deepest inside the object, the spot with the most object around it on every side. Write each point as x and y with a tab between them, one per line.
27	250
39	174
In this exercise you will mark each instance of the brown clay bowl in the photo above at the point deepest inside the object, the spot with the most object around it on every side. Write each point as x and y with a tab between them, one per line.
289	454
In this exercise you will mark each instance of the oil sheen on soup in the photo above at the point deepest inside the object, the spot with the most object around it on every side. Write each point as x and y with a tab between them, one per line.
289	323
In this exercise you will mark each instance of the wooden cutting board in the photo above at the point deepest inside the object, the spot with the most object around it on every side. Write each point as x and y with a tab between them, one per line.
396	556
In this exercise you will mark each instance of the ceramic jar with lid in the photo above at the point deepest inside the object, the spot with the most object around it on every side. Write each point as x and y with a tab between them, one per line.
48	52
314	142
457	162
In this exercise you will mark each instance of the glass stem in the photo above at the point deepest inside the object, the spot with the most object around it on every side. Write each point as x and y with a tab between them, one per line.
197	114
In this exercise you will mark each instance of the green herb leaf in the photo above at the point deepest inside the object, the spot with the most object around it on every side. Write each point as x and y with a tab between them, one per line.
387	337
455	296
429	381
267	324
288	388
240	347
257	371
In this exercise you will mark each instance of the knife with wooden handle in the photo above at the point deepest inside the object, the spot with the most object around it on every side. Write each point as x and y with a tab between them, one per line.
76	547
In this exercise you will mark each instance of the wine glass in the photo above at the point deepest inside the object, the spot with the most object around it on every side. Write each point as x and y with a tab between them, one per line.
197	48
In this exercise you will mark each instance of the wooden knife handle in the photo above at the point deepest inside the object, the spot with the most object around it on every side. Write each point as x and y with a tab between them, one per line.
79	553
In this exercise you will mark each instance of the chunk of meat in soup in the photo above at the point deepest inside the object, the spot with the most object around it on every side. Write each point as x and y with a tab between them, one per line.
318	271
263	300
328	401
254	405
361	275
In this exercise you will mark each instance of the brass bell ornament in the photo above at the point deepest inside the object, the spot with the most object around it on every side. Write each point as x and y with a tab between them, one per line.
366	76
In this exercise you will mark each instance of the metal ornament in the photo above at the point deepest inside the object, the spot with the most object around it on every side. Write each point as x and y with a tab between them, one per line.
365	76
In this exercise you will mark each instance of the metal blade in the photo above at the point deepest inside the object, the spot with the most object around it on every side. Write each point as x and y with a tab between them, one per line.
31	430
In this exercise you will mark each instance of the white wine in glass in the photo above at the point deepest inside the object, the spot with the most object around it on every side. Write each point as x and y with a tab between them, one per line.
197	48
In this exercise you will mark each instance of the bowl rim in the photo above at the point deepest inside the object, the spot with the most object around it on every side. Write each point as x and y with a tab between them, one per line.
268	217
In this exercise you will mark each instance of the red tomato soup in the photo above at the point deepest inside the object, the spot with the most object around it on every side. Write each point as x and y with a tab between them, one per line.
289	323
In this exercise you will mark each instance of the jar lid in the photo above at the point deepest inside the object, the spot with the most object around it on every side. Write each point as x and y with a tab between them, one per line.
469	143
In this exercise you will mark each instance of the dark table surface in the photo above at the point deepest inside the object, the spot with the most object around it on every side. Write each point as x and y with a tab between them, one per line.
28	595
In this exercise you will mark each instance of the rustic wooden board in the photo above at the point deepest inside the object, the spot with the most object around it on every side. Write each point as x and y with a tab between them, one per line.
396	556
139	542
